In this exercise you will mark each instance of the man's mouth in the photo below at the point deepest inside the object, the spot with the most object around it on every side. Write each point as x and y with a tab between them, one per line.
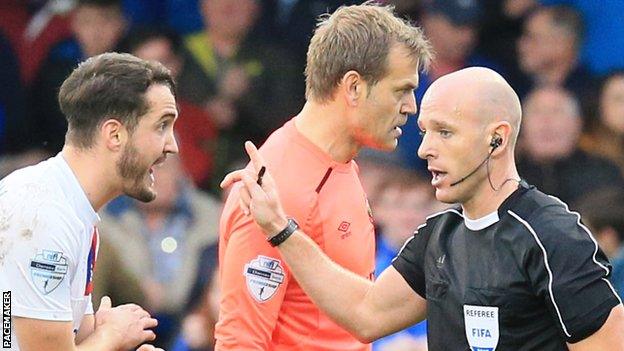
157	163
437	177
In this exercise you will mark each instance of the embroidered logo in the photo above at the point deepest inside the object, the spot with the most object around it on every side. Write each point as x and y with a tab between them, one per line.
264	275
481	324
47	270
344	226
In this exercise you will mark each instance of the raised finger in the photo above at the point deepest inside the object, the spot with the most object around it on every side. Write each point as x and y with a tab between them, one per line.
257	160
231	178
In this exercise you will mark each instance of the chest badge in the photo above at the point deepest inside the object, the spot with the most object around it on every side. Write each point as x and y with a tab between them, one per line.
481	325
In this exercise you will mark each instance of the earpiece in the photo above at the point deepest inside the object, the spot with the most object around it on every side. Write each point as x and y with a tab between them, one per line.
496	142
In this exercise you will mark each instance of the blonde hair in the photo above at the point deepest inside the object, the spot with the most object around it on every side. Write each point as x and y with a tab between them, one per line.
359	38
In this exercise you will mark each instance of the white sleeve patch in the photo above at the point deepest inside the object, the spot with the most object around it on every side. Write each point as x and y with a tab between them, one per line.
47	270
264	275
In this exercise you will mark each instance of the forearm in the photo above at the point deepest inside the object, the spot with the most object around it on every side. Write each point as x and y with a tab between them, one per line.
97	341
340	293
86	328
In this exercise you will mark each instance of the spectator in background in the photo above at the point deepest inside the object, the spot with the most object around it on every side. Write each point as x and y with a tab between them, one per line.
405	201
160	242
196	132
248	87
452	27
114	279
604	45
548	53
606	134
97	26
291	22
603	212
33	27
197	327
12	100
500	29
550	157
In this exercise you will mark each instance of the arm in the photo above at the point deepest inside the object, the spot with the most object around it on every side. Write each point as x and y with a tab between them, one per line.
87	327
569	273
249	309
368	310
609	337
122	327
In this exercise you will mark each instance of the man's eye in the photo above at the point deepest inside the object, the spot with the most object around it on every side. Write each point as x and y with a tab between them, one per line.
422	133
445	133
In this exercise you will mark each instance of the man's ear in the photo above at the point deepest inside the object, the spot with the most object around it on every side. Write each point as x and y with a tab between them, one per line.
113	134
353	87
502	132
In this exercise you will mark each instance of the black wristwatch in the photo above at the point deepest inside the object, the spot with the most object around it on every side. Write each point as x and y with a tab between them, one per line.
280	237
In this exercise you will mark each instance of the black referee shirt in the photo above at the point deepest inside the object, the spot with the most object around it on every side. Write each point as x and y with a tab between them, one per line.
527	277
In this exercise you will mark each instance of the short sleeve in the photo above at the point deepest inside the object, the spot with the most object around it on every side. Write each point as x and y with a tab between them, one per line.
41	258
89	309
569	271
410	262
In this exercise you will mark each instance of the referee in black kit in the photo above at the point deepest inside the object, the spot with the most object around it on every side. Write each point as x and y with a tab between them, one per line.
508	268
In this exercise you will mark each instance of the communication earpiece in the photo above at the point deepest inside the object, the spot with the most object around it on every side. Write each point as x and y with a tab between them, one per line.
496	142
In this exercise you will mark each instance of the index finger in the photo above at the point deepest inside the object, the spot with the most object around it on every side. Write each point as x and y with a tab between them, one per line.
254	155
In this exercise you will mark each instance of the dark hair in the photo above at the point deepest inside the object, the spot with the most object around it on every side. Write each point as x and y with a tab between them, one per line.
604	208
101	3
569	19
141	35
105	86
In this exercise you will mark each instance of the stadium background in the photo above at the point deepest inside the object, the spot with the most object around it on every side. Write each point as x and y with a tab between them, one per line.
239	67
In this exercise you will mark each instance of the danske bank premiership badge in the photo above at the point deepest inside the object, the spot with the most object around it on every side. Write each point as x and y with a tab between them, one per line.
264	275
47	270
481	324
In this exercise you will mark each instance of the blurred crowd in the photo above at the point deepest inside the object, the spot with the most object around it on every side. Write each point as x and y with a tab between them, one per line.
239	68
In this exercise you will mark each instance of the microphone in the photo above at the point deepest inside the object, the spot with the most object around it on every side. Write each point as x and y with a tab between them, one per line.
496	142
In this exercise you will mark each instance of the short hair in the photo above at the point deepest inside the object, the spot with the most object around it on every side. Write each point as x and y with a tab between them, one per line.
105	86
573	107
358	37
142	35
604	208
100	3
568	19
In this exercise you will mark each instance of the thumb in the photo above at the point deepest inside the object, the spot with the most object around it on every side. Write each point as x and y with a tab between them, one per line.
105	303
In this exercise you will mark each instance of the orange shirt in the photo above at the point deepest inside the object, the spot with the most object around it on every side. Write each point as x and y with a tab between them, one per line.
262	306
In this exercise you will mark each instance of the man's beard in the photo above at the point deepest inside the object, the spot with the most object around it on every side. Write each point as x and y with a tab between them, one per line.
133	174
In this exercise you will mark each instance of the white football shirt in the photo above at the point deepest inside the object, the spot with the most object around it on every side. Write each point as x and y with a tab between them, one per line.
48	243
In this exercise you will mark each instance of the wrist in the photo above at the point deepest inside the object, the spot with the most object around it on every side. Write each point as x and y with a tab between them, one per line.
275	227
107	335
290	228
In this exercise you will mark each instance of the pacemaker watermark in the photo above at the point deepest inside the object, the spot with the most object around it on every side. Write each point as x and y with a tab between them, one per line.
6	319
